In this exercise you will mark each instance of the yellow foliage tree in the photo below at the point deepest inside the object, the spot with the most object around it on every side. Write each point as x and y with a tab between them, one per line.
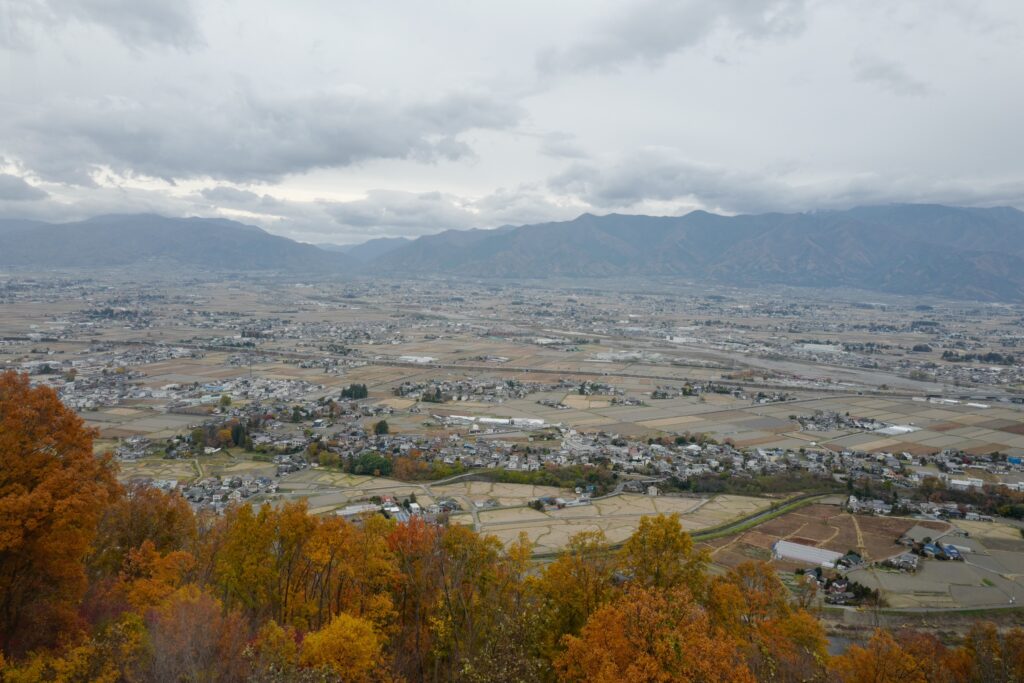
574	586
661	555
275	651
349	646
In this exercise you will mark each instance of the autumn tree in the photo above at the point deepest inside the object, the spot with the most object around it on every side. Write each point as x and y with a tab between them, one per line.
651	635
348	646
52	493
275	650
416	547
505	647
409	469
224	437
990	656
467	563
192	638
356	570
934	660
780	641
573	586
882	660
149	576
142	514
260	557
110	655
284	564
661	555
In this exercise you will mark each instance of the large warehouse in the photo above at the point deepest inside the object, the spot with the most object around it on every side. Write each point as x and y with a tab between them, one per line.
797	552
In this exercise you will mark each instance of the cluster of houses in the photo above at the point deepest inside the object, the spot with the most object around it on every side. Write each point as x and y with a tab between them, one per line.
402	512
217	493
485	390
557	502
921	545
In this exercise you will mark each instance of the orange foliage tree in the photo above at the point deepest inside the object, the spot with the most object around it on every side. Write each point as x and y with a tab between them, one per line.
53	491
416	548
142	514
193	638
781	642
650	636
882	660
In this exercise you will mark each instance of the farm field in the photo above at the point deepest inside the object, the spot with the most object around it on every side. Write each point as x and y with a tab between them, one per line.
823	526
186	470
618	517
991	574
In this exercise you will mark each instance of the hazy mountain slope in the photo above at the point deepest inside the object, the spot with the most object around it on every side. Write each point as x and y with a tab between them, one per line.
369	250
913	249
121	240
17	224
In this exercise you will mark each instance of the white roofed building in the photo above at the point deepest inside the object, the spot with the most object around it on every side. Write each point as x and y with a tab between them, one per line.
798	552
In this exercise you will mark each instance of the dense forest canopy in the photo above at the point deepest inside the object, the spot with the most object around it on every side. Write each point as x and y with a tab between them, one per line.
103	582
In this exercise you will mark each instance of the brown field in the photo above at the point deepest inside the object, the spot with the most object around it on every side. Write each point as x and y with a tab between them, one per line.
823	526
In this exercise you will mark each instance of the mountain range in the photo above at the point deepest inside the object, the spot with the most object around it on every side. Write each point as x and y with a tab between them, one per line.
923	249
140	239
956	252
369	250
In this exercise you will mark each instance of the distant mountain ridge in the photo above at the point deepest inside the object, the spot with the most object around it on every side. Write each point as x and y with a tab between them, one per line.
133	239
369	250
917	249
902	248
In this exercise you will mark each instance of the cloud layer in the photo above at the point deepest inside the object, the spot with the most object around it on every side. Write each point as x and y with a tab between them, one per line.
406	119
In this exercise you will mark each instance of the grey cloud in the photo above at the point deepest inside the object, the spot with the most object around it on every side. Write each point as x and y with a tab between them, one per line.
522	205
651	30
136	23
14	188
242	136
408	214
72	203
140	23
888	75
660	176
561	146
17	19
390	213
226	196
387	213
651	182
230	195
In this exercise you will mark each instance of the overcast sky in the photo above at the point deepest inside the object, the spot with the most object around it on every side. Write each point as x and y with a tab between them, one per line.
336	121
